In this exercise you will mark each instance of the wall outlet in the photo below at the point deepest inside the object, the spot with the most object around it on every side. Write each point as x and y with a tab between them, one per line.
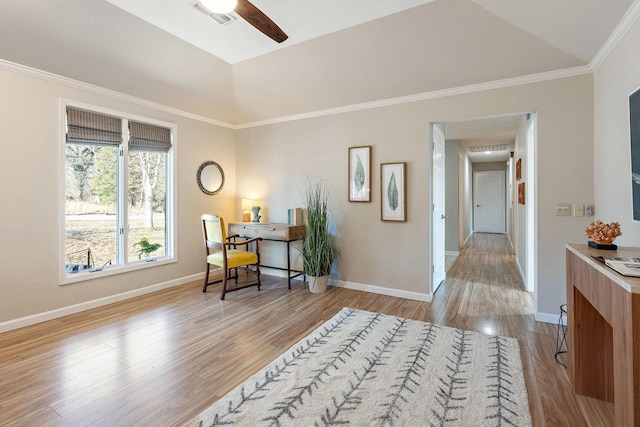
578	209
588	210
563	209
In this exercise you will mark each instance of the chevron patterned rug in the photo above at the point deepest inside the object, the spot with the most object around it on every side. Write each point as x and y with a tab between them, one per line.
369	369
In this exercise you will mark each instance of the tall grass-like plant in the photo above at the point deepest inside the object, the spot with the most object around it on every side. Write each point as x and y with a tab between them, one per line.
319	249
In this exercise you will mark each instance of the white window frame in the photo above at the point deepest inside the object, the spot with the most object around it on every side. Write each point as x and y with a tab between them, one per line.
171	251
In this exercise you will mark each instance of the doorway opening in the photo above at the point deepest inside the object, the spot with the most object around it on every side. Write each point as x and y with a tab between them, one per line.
480	155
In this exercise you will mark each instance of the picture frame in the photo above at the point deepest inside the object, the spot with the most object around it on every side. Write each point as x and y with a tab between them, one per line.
634	140
521	193
518	169
360	174
393	191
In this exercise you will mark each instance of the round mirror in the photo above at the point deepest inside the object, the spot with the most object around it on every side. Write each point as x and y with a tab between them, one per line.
210	178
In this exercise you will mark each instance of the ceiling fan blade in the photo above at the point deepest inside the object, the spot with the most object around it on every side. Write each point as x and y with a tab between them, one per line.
262	22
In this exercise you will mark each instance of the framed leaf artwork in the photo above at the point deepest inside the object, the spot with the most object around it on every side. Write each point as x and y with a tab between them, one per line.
360	174
393	191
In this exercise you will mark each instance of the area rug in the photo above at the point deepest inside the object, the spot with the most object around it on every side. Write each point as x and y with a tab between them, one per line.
369	369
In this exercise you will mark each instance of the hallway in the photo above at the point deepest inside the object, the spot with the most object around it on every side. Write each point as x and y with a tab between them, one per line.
483	279
484	292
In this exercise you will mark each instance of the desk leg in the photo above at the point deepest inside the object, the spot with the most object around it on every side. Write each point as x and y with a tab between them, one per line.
288	265
593	347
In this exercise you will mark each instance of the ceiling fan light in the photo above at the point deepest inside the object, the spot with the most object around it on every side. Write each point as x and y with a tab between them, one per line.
220	6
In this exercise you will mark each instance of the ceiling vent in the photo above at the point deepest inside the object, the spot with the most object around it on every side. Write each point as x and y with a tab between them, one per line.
220	18
481	148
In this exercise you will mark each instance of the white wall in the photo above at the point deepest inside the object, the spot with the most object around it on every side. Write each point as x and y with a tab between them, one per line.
395	255
510	209
616	78
489	166
31	194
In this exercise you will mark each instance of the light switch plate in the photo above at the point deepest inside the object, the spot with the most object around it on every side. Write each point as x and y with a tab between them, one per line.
563	209
577	209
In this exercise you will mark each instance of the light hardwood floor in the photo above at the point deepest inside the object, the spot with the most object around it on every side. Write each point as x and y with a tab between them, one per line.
162	358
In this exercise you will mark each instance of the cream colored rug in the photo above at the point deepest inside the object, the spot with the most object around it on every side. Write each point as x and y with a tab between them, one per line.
369	369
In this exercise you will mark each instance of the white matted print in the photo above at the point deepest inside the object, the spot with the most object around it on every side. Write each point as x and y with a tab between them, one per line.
360	174
393	191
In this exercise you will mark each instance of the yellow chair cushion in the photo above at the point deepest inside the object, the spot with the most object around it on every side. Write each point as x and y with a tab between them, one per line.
235	258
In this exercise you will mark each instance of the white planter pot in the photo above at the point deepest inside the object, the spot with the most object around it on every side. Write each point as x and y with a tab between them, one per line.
318	285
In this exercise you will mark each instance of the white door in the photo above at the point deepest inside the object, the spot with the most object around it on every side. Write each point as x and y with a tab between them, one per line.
489	202
438	217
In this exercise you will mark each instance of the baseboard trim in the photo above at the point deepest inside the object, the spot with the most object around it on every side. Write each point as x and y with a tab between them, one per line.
547	317
88	305
33	319
467	239
521	272
416	296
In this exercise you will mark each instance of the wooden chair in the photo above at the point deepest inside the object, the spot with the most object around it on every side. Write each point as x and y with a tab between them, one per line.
221	252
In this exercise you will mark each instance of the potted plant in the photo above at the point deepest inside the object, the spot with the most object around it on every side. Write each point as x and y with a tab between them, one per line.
318	250
146	248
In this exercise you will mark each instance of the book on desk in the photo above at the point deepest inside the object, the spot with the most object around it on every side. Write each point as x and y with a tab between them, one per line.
295	216
627	266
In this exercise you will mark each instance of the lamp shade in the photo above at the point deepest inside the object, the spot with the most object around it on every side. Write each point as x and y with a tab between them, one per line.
246	204
219	6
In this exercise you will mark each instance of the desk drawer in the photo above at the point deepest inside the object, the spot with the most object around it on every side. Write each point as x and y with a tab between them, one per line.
273	232
243	230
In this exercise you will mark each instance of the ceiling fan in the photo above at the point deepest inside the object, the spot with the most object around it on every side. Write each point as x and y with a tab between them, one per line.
248	12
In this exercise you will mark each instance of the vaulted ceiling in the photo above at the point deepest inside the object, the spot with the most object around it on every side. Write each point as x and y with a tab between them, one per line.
338	53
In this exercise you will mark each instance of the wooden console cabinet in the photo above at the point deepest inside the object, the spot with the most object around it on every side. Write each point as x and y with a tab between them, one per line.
603	331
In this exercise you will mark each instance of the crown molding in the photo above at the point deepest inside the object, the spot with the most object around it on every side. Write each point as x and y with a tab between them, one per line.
461	90
625	24
97	90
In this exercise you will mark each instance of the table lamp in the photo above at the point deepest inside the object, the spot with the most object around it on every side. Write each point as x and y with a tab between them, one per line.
246	206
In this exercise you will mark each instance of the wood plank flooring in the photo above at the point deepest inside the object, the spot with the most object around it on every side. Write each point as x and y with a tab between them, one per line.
162	358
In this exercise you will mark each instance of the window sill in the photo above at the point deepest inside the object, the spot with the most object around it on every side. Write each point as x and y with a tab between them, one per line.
84	276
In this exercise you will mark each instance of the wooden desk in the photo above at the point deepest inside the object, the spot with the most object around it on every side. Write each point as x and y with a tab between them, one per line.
274	232
603	331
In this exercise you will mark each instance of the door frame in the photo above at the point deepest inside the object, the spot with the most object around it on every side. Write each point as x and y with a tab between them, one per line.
531	141
432	221
530	276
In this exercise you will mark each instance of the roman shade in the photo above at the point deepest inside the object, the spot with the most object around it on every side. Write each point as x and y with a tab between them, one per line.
146	137
87	127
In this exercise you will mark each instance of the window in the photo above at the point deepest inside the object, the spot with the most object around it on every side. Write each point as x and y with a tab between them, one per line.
118	210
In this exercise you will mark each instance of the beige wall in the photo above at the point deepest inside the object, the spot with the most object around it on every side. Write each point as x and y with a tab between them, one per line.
614	81
31	197
276	158
275	161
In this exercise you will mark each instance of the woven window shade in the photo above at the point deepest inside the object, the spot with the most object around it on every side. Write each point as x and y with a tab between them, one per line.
87	127
145	137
